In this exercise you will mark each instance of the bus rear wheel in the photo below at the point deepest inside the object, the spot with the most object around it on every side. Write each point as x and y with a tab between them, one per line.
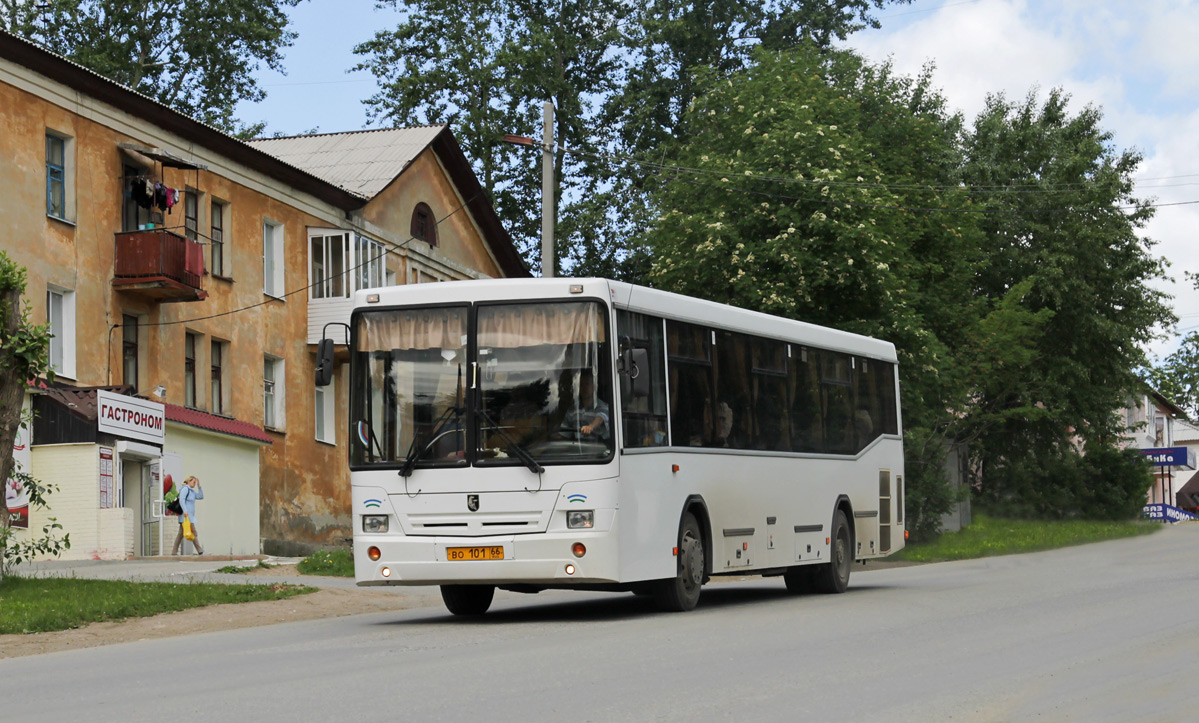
833	576
680	593
467	599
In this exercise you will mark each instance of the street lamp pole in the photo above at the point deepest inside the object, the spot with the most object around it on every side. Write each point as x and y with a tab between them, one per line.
547	191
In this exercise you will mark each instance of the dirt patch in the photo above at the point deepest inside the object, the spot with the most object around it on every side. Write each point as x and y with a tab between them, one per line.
326	603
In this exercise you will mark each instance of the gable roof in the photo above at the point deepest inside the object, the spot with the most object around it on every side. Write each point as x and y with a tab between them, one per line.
361	162
366	162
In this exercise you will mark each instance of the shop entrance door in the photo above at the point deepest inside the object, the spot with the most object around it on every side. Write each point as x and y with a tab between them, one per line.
151	508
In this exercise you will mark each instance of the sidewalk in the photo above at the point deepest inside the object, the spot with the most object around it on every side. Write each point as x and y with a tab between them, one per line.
203	569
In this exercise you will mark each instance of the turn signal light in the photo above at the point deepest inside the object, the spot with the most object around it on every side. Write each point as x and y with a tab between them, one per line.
579	549
373	553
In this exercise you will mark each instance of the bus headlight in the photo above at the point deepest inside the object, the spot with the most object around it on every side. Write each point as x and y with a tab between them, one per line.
580	519
374	523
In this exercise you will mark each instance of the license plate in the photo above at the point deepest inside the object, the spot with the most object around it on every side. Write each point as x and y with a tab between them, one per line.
474	553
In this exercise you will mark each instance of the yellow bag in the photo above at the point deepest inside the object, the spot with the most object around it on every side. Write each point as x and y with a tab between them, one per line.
188	532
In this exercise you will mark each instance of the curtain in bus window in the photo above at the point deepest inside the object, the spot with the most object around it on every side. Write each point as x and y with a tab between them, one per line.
644	419
441	328
836	392
535	324
769	388
734	405
803	400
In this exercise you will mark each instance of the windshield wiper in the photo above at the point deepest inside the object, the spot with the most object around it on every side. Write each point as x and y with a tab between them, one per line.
414	454
520	451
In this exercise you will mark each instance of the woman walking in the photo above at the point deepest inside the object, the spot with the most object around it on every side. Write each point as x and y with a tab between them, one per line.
187	500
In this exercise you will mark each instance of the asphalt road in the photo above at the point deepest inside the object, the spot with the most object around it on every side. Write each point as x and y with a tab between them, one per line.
1095	633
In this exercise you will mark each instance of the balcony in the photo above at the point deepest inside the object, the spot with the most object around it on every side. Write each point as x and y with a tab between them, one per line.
159	265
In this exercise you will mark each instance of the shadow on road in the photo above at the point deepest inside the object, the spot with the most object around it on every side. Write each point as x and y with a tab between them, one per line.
562	607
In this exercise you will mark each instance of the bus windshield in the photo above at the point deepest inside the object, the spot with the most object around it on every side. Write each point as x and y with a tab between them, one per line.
533	387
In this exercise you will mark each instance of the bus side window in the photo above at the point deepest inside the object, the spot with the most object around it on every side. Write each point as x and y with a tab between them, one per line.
644	418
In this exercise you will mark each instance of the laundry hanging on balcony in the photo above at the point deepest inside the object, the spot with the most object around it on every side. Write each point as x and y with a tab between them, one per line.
151	194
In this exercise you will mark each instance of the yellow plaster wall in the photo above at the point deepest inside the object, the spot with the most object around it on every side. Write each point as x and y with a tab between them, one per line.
458	238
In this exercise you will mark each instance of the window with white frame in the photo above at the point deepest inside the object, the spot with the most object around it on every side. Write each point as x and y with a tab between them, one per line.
328	251
370	263
272	392
272	258
59	176
326	418
340	263
60	315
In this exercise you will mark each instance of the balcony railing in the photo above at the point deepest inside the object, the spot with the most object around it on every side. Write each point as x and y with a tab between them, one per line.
160	265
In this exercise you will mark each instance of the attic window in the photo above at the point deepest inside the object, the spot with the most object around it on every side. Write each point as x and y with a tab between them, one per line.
424	226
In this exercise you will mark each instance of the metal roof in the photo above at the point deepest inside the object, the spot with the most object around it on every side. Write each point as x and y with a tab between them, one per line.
361	162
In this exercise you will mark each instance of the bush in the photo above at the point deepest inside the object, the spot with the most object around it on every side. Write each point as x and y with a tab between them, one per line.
1103	484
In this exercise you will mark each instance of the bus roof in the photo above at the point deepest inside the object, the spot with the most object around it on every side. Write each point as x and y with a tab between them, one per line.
639	299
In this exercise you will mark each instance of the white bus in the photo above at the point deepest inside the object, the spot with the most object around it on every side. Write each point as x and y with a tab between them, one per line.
591	434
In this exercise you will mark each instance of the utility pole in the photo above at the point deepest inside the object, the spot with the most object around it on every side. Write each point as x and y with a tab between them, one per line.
547	191
547	185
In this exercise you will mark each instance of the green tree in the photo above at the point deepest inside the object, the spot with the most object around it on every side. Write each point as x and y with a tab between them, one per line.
617	72
196	57
1177	376
485	68
1061	222
811	186
24	356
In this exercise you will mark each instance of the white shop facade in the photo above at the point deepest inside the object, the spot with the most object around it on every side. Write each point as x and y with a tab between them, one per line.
112	457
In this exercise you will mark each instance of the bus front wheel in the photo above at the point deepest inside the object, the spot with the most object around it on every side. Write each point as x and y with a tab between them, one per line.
467	599
681	592
833	576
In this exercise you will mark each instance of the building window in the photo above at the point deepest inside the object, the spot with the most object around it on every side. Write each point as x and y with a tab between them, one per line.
191	214
135	216
60	315
272	392
272	258
189	369
327	264
370	260
217	239
424	225
217	359
325	413
129	346
56	176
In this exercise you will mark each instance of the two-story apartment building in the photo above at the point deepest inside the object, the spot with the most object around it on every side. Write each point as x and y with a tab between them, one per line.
187	276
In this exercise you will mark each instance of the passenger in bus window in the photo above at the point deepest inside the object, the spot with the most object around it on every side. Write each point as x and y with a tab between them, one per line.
589	416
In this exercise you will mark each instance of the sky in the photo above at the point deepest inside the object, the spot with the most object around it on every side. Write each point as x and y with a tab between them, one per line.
1136	61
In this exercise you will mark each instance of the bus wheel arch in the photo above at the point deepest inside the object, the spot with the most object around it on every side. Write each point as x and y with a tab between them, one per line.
680	593
832	577
699	509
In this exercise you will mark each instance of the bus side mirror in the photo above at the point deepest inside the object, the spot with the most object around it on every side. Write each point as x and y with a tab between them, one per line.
634	373
324	362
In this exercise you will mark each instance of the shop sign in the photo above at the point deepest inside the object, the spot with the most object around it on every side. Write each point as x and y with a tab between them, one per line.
131	417
1166	513
1170	457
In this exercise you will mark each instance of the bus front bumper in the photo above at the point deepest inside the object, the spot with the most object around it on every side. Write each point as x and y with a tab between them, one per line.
541	558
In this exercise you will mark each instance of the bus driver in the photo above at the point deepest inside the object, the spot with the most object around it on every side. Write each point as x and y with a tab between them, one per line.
589	416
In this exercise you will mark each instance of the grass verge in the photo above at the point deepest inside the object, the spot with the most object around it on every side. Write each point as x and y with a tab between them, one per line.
336	563
43	604
988	536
